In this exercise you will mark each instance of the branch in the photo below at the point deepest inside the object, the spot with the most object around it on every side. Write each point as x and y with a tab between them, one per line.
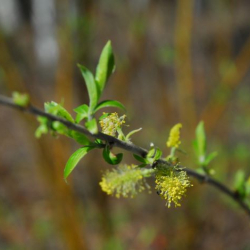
126	146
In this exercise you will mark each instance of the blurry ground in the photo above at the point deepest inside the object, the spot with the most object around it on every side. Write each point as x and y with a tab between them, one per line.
177	61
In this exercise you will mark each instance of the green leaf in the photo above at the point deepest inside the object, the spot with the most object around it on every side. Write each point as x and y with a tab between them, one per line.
209	158
201	170
59	128
98	141
140	159
80	138
104	116
105	67
22	100
153	155
157	154
75	158
111	158
58	110
82	112
239	183
109	103
92	126
248	186
91	87
43	127
200	141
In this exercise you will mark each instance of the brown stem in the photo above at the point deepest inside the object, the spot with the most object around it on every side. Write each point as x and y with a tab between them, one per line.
126	146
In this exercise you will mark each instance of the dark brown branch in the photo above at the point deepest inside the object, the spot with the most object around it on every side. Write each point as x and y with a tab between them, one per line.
126	146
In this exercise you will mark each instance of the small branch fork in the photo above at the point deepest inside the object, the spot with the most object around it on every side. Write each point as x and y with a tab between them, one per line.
126	146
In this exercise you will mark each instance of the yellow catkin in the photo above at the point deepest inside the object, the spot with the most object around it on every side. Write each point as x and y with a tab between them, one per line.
172	186
125	180
111	123
174	136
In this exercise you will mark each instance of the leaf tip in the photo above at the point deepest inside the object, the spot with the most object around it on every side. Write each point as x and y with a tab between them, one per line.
65	179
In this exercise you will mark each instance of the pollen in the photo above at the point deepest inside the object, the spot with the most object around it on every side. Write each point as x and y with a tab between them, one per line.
111	123
126	181
172	185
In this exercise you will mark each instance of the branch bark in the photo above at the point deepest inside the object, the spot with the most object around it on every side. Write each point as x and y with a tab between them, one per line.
126	146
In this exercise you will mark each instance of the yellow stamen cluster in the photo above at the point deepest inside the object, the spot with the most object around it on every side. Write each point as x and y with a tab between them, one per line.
111	123
174	136
126	181
172	185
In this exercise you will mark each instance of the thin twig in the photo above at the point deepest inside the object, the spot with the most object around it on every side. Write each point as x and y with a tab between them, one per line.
126	146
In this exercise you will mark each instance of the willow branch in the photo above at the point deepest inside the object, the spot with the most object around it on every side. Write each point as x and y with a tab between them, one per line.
126	146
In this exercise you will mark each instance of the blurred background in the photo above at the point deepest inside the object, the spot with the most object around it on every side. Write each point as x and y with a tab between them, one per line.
176	61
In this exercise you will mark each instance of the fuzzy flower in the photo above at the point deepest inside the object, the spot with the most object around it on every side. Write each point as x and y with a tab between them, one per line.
111	123
126	181
171	185
174	136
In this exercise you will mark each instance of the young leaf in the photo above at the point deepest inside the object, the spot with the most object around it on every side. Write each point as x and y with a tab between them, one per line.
105	66
111	158
58	110
92	126
80	138
75	158
59	128
82	112
209	158
21	99
43	127
91	86
248	186
153	155
157	154
109	103
200	140
239	183
103	116
140	159
98	141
